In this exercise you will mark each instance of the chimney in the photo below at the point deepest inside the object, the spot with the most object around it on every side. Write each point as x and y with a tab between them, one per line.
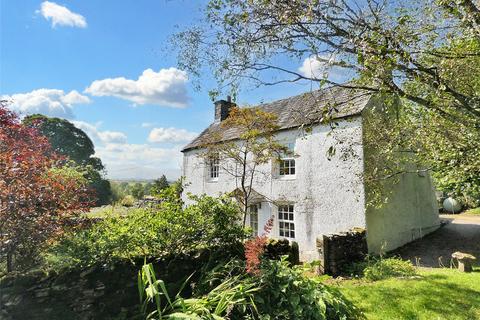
222	109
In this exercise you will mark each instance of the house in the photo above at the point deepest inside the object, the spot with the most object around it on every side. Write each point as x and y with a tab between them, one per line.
318	192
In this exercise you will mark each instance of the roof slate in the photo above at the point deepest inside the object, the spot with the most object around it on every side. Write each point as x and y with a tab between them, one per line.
303	109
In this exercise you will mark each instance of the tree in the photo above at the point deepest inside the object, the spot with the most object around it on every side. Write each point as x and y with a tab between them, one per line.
39	195
241	158
137	190
74	143
424	52
450	148
159	185
380	44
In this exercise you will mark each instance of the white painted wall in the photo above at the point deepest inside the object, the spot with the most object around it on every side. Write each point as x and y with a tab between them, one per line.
411	210
328	195
410	213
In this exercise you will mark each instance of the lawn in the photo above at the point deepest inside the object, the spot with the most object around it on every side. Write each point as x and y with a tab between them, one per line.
473	211
435	294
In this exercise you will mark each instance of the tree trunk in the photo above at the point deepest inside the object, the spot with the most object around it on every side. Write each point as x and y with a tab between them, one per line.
245	210
9	261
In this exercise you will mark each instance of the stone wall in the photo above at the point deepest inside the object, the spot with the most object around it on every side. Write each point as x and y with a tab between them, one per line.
338	250
97	292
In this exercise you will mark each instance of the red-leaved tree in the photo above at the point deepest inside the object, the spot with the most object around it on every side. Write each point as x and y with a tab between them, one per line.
255	248
39	195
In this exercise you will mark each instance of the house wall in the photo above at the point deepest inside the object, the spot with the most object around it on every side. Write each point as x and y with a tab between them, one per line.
410	213
411	210
327	194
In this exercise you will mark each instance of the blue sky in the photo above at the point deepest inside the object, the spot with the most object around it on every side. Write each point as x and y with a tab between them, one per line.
103	65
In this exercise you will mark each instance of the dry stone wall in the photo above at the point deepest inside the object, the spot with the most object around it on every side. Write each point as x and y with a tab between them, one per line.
338	250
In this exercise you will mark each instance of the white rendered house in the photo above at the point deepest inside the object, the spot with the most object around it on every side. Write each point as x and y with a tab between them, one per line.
316	192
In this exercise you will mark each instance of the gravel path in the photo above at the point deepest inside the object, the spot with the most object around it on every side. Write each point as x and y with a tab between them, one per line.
461	233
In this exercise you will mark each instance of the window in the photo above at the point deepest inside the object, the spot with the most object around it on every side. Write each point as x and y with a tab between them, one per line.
287	162
213	168
287	167
286	225
254	219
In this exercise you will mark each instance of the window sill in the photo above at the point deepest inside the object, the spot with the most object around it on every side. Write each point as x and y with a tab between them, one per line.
214	180
286	177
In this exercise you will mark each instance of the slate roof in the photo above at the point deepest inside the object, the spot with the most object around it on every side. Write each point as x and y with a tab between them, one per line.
306	108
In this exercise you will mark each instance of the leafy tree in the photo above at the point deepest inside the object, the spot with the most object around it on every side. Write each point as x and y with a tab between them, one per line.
242	158
159	184
138	191
449	147
38	195
66	139
381	44
424	52
70	141
147	188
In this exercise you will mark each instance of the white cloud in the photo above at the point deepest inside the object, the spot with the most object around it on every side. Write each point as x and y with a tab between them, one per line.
147	124
101	137
166	87
131	161
321	67
140	161
61	15
50	102
173	135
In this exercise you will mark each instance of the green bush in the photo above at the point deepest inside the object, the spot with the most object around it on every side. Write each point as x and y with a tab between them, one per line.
168	229
127	201
388	268
287	293
279	292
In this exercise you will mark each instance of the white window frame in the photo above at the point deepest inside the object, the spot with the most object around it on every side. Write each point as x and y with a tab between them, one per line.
253	212
286	221
287	166
213	169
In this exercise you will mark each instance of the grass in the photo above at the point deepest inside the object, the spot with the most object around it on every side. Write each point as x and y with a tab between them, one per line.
108	210
473	211
434	294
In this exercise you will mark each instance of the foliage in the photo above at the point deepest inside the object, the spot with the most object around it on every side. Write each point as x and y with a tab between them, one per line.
389	267
255	248
381	44
286	293
241	158
168	229
39	196
450	146
159	184
74	143
127	201
426	53
436	293
138	191
278	292
375	269
235	292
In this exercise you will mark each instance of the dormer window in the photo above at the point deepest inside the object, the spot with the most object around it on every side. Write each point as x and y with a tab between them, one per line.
213	166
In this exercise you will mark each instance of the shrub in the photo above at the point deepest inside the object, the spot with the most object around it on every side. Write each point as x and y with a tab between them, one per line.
387	268
127	201
277	292
234	293
168	229
287	293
